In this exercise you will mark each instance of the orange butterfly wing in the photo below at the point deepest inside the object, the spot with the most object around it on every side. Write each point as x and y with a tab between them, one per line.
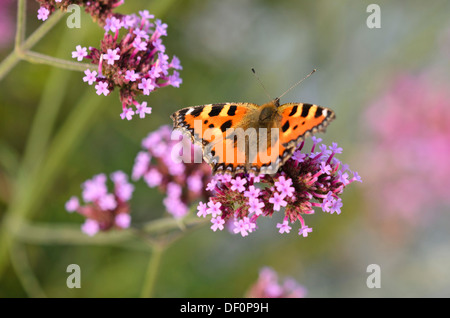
300	120
207	125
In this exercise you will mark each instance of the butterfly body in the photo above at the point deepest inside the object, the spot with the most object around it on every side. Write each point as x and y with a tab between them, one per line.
246	137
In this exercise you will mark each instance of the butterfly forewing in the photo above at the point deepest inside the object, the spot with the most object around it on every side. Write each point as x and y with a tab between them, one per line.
299	120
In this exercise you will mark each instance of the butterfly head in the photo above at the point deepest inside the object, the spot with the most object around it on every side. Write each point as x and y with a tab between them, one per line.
268	113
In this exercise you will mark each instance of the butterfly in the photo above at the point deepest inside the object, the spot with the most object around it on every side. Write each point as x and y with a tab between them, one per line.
268	134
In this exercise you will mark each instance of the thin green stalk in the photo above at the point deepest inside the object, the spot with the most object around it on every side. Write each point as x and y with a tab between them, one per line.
41	31
23	46
21	23
68	234
24	272
152	270
38	58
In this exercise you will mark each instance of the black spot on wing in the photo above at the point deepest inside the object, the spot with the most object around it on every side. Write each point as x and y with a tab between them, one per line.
197	111
319	111
226	125
305	109
294	110
232	110
211	126
285	126
215	110
182	112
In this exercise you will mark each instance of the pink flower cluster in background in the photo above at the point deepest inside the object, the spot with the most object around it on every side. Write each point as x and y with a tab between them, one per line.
172	170
408	160
104	210
267	286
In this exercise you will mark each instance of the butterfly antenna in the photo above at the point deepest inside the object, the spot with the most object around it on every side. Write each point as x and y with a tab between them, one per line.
262	85
312	72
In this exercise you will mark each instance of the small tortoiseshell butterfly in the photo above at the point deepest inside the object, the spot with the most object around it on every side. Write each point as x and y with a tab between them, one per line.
246	137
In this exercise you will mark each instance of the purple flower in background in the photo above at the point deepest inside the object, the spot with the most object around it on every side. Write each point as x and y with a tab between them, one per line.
316	180
104	210
407	160
174	171
267	286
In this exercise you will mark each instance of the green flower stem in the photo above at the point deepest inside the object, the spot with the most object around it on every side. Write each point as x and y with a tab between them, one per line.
21	22
22	48
21	264
68	234
152	270
39	58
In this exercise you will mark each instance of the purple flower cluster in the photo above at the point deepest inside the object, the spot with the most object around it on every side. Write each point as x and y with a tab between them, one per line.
267	286
165	165
135	63
99	10
104	210
305	181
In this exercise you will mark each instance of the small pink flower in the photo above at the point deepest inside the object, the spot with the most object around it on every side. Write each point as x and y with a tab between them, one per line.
111	56
255	206
238	184
202	207
142	109
43	13
123	220
90	227
127	113
80	53
107	202
146	85
284	227
278	201
218	223
102	88
131	76
214	208
91	76
304	231
73	204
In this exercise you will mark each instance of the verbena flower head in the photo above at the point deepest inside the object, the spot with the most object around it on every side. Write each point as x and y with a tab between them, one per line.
135	62
408	158
131	56
307	180
172	170
267	286
104	210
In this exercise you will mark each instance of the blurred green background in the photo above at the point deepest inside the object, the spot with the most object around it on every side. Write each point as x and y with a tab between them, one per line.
218	42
